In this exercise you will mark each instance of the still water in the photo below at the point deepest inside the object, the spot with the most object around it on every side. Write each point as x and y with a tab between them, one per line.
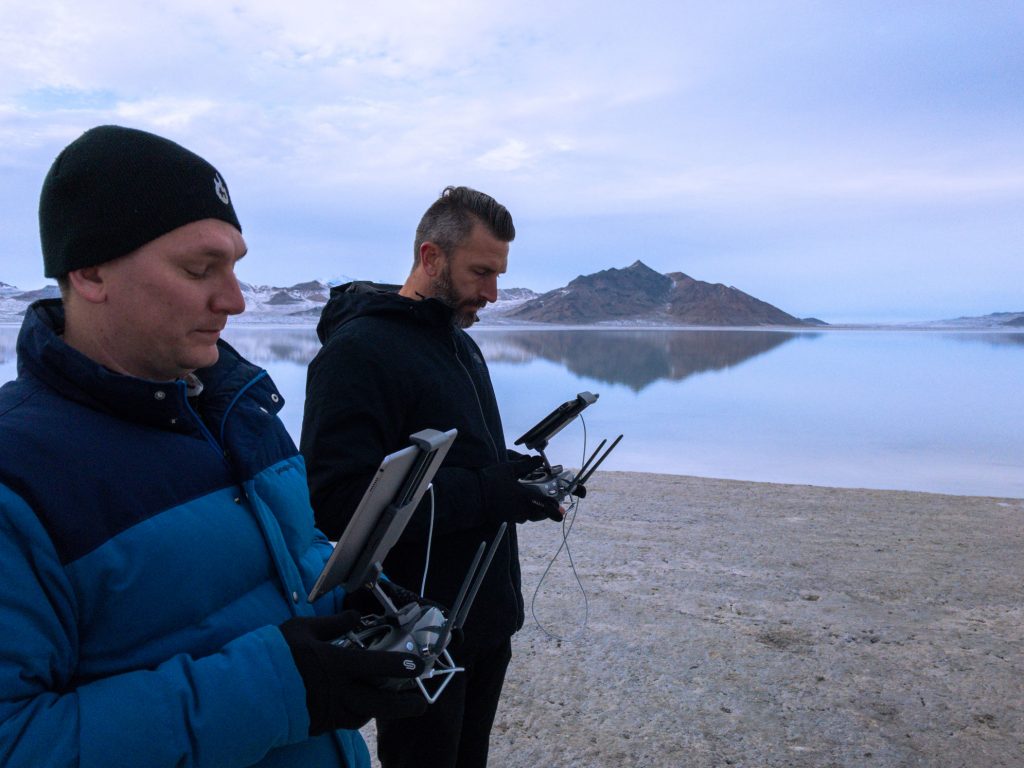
912	410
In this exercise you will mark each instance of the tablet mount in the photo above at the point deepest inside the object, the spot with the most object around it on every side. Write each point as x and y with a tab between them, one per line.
551	481
379	520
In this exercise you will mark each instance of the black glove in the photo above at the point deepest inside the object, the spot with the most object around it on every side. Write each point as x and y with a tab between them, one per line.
524	465
506	499
343	684
517	456
579	491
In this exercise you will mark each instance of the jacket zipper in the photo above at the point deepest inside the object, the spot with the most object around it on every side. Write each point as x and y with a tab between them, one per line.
520	604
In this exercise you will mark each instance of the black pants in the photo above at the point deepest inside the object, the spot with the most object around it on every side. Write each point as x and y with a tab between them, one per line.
456	729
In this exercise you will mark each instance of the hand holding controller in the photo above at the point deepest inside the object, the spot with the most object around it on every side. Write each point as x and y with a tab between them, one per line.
506	498
414	629
552	482
343	685
417	634
548	485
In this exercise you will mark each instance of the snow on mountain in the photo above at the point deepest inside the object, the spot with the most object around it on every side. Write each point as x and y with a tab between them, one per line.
301	304
298	305
14	301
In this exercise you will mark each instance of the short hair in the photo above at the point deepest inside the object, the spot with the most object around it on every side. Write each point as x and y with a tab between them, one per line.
448	222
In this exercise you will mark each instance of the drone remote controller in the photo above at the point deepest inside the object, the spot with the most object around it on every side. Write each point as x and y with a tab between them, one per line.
412	629
552	481
423	630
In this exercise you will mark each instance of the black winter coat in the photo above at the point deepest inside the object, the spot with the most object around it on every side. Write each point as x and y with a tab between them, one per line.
389	367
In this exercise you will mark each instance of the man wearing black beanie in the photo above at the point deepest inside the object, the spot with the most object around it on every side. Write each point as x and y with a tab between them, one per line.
156	537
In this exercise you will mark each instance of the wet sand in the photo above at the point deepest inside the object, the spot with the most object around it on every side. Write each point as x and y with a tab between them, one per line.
752	624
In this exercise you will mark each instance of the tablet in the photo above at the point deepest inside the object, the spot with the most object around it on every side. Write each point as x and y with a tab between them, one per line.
536	438
387	505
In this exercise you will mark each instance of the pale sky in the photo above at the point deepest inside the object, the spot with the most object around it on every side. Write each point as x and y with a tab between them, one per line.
856	161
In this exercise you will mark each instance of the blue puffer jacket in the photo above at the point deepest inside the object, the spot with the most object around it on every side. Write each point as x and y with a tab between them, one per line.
147	555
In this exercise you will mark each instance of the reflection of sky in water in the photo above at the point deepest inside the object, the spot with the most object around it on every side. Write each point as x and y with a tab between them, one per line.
878	409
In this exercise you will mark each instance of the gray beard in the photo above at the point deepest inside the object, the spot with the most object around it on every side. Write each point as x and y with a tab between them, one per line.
442	289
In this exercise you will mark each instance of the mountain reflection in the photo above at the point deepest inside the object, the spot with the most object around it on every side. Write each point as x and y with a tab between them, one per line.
1001	339
274	345
634	358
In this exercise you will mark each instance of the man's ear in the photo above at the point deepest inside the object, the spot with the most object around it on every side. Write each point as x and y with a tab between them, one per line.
88	283
431	259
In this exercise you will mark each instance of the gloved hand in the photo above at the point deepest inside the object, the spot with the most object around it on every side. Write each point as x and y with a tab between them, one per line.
342	684
506	499
513	456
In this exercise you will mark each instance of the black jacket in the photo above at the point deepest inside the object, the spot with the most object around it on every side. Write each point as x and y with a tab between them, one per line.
389	367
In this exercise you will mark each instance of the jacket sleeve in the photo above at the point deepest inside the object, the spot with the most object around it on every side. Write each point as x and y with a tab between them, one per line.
227	709
354	416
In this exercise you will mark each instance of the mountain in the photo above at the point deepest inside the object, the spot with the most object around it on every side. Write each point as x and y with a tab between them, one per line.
637	295
298	304
509	299
995	320
633	296
13	300
46	292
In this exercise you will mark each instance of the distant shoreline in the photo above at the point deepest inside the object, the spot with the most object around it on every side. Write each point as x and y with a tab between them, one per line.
276	324
489	327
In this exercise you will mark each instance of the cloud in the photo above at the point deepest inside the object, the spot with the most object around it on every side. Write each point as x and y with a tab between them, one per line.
510	156
719	129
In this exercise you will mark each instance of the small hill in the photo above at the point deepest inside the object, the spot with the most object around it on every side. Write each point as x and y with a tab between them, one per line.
46	292
283	297
639	295
994	320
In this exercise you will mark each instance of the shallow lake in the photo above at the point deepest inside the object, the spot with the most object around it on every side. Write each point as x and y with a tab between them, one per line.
912	410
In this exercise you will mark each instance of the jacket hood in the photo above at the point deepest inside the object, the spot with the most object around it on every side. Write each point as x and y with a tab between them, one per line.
361	297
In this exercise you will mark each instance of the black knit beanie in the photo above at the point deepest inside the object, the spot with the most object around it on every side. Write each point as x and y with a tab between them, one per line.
114	189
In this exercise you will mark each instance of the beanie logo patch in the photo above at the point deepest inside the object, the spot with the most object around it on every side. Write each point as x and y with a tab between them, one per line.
221	189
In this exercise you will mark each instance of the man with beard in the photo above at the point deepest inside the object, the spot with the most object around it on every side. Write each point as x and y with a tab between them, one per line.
395	362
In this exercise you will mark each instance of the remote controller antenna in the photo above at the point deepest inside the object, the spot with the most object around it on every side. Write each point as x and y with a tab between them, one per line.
584	474
467	592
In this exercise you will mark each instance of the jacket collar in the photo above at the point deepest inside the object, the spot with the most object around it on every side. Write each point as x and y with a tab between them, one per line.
43	353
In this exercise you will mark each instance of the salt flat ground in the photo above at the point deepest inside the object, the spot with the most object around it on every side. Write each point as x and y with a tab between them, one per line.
753	624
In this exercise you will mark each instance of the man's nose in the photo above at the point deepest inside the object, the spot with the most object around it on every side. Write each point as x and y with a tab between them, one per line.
229	298
490	289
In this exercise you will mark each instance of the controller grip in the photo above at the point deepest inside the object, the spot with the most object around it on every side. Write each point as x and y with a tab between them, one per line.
548	485
415	630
